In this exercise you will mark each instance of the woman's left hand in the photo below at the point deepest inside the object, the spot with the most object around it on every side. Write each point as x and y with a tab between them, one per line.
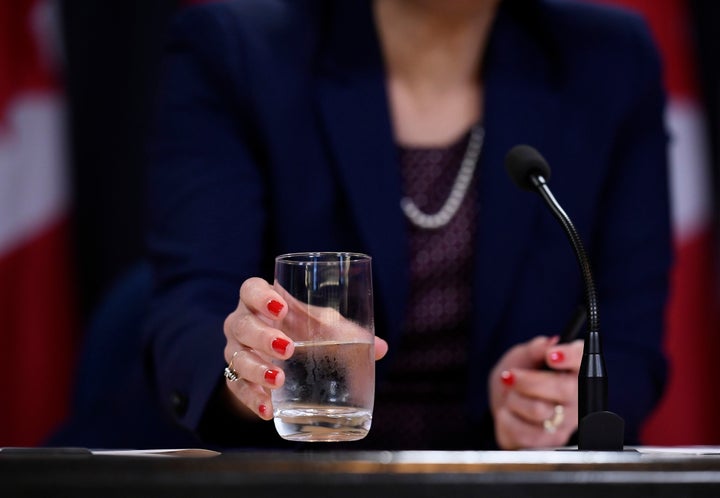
532	406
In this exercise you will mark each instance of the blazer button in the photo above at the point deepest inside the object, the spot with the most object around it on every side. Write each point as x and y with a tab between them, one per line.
179	403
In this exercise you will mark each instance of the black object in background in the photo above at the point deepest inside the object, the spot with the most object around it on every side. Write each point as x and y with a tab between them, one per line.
706	24
112	50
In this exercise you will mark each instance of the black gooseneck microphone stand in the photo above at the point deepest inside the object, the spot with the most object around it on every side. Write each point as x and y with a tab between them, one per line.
598	429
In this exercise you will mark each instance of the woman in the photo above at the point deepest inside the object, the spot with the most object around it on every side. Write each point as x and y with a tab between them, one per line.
316	125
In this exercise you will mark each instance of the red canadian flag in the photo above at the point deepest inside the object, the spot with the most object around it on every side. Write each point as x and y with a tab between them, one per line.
689	411
37	338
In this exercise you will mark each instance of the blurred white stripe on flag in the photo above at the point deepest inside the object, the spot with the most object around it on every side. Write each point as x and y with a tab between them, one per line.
37	316
33	186
690	179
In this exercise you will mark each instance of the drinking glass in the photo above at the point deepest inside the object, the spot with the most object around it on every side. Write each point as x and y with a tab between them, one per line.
329	386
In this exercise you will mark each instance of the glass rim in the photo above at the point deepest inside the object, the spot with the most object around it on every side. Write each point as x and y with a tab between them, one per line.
325	257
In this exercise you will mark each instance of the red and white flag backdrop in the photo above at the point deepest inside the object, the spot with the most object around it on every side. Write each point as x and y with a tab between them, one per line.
690	409
37	336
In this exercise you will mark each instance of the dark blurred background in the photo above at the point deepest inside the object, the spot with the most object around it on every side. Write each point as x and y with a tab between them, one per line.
705	17
113	48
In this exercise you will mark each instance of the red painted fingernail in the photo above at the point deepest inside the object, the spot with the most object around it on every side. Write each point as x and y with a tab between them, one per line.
280	345
507	378
557	356
275	307
262	409
271	375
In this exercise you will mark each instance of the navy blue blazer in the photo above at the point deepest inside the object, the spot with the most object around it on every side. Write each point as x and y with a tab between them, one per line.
273	135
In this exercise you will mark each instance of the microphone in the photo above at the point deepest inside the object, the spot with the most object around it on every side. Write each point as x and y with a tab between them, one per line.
598	429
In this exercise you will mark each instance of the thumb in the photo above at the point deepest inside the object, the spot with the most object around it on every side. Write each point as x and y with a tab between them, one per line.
381	348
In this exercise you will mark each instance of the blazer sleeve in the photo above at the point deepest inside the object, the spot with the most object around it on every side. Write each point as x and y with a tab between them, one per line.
206	207
632	247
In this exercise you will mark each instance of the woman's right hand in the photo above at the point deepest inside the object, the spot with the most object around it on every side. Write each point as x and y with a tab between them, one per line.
252	343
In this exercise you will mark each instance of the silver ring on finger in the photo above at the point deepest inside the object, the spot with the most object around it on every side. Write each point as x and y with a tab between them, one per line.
230	373
551	424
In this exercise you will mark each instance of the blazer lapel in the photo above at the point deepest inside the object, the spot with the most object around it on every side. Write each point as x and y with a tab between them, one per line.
354	110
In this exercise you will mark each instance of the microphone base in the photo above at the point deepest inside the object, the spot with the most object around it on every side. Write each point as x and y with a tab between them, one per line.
601	431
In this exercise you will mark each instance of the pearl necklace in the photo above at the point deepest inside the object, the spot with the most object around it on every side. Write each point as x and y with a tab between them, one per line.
457	192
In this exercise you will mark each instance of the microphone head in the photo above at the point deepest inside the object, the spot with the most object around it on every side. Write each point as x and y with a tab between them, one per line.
523	161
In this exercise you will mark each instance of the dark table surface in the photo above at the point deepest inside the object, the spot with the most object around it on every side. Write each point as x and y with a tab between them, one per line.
417	474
